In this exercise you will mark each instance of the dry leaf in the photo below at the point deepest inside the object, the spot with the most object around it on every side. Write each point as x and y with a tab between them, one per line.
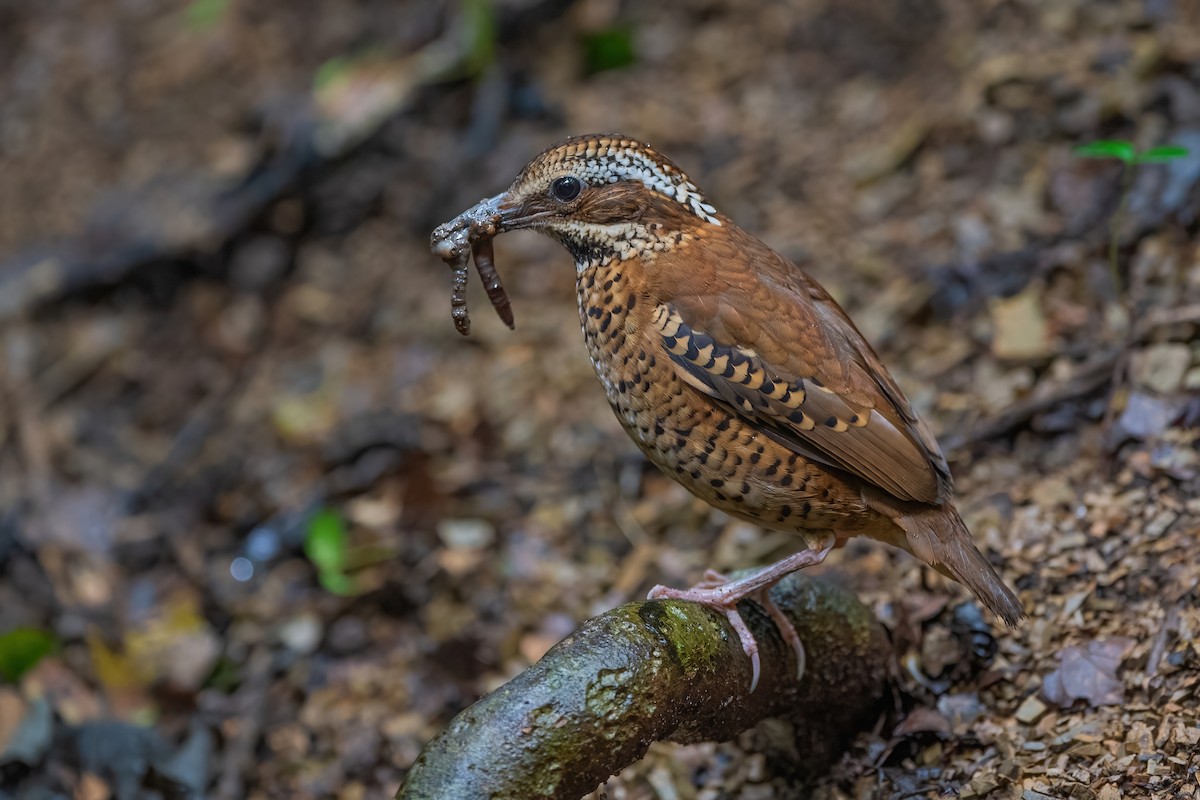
1089	674
1020	331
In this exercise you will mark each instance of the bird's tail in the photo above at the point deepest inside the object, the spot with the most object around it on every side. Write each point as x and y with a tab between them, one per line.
938	536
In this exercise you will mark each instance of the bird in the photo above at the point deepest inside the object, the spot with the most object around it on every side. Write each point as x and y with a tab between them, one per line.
738	375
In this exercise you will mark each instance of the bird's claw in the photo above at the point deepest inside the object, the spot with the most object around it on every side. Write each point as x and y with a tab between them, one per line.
708	593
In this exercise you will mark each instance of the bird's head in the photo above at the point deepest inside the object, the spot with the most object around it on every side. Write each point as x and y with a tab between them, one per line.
593	192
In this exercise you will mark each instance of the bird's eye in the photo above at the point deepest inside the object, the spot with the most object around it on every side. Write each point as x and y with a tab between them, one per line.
566	189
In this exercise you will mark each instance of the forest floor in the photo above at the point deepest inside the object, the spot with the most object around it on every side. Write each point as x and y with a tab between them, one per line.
219	345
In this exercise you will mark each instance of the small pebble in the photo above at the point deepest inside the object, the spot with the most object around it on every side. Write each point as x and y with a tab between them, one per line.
464	533
301	634
1031	710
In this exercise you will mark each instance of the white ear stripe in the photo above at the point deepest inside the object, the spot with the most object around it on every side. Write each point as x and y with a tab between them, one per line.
615	164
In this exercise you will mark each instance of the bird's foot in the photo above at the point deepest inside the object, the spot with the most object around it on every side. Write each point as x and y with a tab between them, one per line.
710	592
713	596
720	593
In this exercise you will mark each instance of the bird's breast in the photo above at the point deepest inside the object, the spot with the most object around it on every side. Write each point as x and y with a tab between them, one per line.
612	303
716	454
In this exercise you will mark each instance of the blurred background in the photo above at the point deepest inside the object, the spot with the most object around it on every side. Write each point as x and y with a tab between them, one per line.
267	522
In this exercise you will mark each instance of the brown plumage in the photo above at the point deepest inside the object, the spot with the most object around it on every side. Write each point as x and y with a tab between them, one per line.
734	371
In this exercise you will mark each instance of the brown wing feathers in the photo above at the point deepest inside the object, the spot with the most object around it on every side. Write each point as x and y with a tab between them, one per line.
801	411
810	417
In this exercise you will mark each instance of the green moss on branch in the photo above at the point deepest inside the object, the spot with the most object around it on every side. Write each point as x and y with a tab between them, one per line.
659	670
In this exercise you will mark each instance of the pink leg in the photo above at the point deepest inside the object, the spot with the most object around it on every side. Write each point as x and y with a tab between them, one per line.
713	579
722	594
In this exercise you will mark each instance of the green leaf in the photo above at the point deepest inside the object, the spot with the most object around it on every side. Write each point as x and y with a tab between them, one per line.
21	649
326	541
608	49
225	676
331	70
338	583
479	30
1119	149
347	68
203	14
1162	154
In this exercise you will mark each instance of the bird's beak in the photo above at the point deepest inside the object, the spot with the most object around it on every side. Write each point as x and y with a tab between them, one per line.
484	220
499	211
514	216
492	209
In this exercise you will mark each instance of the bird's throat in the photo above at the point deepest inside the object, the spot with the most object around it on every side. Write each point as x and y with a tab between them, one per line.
597	245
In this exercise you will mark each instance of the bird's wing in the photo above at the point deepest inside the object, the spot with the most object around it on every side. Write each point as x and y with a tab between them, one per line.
780	352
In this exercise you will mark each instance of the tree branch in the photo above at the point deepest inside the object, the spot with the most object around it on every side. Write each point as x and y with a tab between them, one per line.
660	670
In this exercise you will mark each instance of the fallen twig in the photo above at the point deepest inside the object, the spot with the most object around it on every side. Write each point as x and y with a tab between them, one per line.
1091	377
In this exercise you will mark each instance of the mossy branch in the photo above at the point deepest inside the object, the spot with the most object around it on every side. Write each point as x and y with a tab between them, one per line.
660	670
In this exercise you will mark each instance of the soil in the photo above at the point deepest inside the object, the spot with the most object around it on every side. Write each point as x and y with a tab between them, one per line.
278	522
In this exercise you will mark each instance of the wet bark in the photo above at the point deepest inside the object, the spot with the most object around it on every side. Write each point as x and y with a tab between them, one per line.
655	670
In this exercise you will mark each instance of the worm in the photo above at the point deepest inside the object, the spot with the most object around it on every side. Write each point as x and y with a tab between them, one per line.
458	295
470	235
482	250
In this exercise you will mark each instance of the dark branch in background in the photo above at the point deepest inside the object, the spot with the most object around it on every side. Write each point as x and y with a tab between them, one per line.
655	670
1090	377
185	218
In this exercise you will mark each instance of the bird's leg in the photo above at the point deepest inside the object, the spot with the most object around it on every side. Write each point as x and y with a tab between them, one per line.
722	594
